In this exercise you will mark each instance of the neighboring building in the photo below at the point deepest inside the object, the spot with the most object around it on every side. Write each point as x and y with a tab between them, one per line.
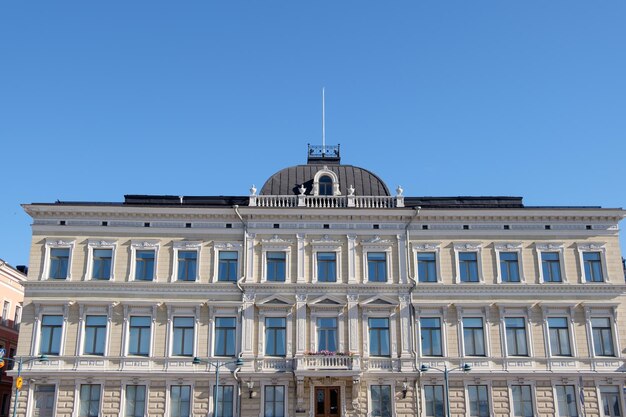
11	297
334	293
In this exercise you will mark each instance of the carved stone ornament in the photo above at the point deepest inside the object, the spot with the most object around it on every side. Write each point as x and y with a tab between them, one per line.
549	246
101	243
249	297
185	244
425	246
351	190
467	246
302	189
591	246
376	240
145	244
353	298
504	246
399	190
60	242
301	298
228	245
326	240
277	239
253	190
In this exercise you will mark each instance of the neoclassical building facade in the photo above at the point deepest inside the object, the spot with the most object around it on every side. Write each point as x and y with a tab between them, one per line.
338	297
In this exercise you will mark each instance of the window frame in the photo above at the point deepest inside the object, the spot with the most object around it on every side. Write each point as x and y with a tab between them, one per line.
566	312
467	385
326	244
392	393
377	244
146	396
334	179
57	244
516	311
598	247
265	384
475	247
168	395
146	310
420	336
484	335
559	248
185	246
276	244
271	311
49	310
226	247
236	338
389	336
533	395
602	311
439	312
86	311
432	383
514	247
434	247
602	388
135	246
317	310
32	392
79	386
92	246
557	410
265	329
212	390
176	311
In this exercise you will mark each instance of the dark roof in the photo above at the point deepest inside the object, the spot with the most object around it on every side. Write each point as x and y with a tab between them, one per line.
288	180
464	202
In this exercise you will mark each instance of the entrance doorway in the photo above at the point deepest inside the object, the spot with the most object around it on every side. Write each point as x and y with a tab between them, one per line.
327	402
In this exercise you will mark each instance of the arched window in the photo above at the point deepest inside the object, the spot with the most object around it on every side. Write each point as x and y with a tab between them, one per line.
325	185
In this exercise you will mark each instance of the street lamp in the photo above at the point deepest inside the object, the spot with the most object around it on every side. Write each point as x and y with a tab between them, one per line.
20	362
217	364
465	368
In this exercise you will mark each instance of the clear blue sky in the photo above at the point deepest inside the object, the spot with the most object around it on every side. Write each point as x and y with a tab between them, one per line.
102	99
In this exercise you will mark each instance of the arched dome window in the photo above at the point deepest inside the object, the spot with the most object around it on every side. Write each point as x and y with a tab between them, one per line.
325	185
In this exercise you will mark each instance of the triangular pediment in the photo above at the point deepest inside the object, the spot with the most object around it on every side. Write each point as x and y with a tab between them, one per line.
275	301
380	301
328	300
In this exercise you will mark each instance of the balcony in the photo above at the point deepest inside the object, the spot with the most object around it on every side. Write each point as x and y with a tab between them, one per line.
319	362
319	201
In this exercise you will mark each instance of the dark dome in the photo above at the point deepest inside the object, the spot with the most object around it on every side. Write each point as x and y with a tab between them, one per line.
288	180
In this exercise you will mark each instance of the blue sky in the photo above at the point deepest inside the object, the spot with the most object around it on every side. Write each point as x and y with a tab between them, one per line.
102	99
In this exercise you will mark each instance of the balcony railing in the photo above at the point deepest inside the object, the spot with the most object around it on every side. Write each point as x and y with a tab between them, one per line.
325	362
339	201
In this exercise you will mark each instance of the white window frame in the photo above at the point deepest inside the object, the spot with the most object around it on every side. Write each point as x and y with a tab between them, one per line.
136	245
17	315
474	382
435	312
435	248
392	397
140	311
620	395
174	311
265	383
81	382
513	311
432	381
233	383
379	245
515	247
475	247
327	244
316	182
5	317
602	311
330	312
168	394
276	244
226	247
474	312
533	394
576	396
49	310
592	247
57	244
223	312
100	244
551	247
30	405
94	310
275	313
559	311
370	310
123	395
185	246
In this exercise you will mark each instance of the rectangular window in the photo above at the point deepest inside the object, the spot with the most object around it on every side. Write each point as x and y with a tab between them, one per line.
593	267
95	335
276	266
89	400
433	398
180	401
377	266
275	336
18	317
274	401
551	267
5	312
135	401
478	400
474	336
566	399
379	336
468	265
427	267
381	400
139	335
102	264
610	401
225	331
326	266
51	330
144	265
224	401
516	343
602	336
187	261
227	269
327	334
559	336
59	261
430	328
522	401
509	267
183	336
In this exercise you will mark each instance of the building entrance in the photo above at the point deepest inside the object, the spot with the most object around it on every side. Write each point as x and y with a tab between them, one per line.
327	402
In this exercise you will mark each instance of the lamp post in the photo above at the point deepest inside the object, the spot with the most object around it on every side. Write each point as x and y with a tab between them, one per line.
465	368
20	362
217	364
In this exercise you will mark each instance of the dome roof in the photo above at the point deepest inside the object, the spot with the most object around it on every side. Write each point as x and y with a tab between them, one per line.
288	180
